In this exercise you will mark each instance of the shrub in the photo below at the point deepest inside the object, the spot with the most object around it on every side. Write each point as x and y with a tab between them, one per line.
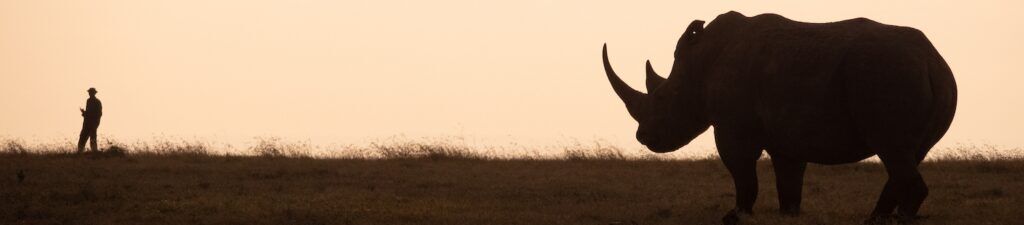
273	147
432	151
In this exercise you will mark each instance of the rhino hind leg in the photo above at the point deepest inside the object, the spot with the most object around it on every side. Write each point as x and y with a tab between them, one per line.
789	179
904	191
886	201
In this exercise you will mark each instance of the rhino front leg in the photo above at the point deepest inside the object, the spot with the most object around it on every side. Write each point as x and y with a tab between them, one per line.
740	158
744	177
789	180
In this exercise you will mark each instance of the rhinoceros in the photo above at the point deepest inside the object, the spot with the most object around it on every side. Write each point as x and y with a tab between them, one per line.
826	93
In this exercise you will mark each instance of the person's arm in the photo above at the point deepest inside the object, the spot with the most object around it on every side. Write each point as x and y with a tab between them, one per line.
99	109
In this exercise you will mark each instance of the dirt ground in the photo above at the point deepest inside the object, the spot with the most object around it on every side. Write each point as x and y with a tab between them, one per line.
66	189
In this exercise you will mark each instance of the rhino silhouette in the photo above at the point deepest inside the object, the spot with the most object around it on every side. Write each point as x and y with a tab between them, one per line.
827	93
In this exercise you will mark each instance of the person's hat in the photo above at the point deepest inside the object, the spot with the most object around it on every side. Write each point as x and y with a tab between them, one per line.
92	90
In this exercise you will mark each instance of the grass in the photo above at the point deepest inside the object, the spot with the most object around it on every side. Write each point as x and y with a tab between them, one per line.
438	183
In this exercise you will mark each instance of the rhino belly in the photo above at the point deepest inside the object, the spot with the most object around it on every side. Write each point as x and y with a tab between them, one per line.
820	134
822	151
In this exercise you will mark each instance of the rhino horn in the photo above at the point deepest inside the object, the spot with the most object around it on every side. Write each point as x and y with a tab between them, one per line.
653	80
633	98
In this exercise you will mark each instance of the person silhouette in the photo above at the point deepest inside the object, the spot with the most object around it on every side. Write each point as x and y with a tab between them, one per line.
92	112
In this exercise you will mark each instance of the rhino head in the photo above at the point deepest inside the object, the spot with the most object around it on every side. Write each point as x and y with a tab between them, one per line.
670	115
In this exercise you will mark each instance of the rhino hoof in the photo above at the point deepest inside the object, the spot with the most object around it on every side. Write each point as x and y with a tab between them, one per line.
891	219
790	211
734	217
880	220
902	219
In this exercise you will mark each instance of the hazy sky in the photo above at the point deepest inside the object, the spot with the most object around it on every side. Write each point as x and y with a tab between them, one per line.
345	71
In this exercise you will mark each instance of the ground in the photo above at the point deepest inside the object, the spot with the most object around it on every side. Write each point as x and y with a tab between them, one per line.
169	189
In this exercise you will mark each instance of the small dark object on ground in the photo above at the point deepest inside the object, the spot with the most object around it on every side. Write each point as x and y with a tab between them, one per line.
21	176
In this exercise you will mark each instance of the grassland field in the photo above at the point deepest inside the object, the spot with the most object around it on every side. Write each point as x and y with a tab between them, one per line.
447	187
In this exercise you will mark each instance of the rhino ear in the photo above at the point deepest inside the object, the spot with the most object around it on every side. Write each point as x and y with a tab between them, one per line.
694	31
690	36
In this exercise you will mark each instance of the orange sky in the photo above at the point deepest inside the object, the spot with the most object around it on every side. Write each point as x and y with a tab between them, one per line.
345	71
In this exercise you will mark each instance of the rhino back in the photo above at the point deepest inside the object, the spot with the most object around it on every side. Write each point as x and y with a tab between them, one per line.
805	86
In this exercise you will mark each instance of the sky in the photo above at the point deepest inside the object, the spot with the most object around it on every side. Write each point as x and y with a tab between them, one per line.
495	72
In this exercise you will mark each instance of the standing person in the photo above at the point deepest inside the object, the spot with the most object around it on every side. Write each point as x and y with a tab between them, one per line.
92	112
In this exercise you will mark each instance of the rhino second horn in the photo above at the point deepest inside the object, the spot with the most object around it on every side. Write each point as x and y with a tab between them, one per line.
631	97
653	80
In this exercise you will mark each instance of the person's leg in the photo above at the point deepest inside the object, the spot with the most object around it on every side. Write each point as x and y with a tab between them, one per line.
92	140
93	126
83	137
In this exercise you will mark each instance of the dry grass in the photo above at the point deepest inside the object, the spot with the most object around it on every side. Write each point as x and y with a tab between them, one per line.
409	183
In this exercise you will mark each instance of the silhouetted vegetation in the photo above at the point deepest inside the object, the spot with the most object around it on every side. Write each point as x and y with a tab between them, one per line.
433	149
